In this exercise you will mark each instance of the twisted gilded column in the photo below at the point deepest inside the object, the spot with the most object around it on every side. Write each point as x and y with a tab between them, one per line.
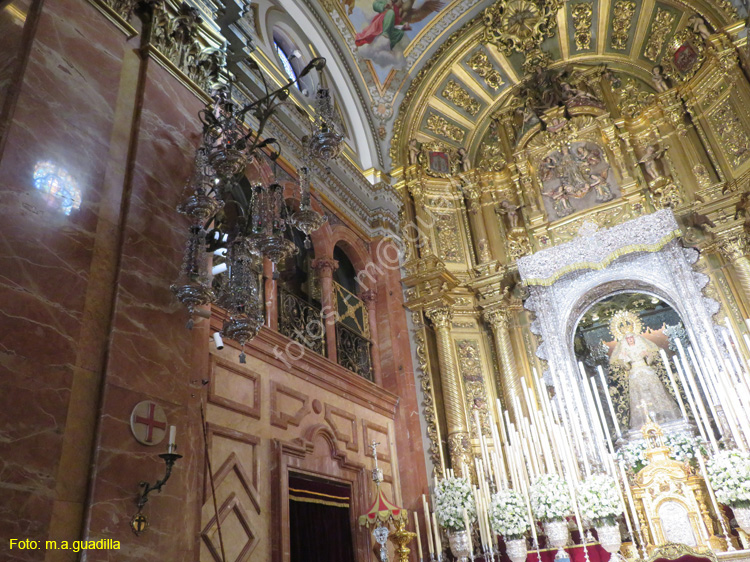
459	443
325	269
735	247
499	319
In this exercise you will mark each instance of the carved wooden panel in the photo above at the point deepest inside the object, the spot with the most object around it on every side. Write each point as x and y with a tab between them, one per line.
237	535
234	388
287	405
344	426
245	466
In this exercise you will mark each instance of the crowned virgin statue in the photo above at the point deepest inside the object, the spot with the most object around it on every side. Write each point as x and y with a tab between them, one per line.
637	375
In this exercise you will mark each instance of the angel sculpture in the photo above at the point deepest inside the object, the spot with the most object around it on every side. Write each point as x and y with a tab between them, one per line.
393	19
649	158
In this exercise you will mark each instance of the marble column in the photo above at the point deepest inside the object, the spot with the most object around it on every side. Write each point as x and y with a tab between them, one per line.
369	297
499	319
735	248
476	221
325	269
459	443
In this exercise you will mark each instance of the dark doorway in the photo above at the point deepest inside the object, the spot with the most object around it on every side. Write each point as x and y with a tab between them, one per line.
320	525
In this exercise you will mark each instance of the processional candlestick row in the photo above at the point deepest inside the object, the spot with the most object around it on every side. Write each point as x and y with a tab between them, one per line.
557	438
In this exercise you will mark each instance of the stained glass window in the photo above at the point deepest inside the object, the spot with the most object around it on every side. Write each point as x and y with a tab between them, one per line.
285	62
60	189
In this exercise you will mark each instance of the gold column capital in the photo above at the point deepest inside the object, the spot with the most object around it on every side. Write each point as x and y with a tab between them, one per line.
734	245
440	316
498	318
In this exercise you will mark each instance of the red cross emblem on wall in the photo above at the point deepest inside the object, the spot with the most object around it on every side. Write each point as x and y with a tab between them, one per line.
148	422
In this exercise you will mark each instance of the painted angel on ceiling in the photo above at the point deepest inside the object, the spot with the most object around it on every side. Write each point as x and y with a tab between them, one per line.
393	19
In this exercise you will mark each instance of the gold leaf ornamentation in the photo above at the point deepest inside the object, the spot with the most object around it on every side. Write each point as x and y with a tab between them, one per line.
660	27
455	93
582	13
480	63
440	126
622	20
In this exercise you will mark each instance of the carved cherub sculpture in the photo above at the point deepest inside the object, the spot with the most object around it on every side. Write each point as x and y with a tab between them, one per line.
413	152
659	80
463	156
649	159
698	25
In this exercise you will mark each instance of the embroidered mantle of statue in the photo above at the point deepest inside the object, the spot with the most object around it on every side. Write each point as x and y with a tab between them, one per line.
576	177
637	375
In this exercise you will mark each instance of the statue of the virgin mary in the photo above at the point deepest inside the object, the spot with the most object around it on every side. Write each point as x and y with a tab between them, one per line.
637	375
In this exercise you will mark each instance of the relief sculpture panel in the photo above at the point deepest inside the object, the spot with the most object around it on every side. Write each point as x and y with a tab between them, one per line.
576	177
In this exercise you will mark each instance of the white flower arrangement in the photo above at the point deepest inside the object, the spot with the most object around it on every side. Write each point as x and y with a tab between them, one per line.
683	449
508	514
598	500
729	473
550	500
452	497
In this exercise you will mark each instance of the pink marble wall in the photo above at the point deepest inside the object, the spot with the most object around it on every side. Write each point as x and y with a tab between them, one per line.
64	114
150	356
87	319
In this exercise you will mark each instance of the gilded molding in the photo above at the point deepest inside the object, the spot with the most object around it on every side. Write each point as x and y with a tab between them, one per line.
475	392
582	13
660	28
622	20
461	98
521	26
735	246
729	130
184	50
440	126
428	404
119	13
480	63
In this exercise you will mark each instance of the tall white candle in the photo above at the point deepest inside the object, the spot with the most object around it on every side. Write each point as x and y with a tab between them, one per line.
172	439
438	540
468	530
628	493
419	537
689	396
696	395
426	509
678	396
598	434
710	487
609	401
600	412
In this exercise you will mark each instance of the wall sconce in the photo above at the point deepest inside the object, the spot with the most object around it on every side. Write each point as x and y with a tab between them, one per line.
139	522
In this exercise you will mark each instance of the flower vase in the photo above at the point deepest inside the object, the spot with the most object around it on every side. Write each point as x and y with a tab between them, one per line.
459	541
609	538
516	549
742	516
557	537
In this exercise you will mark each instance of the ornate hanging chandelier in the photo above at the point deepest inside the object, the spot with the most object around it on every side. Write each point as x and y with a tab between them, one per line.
248	222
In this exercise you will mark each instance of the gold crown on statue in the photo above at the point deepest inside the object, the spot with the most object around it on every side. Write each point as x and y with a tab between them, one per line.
625	323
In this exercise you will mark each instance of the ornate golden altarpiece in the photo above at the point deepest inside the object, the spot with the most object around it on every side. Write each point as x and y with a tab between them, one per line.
490	173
